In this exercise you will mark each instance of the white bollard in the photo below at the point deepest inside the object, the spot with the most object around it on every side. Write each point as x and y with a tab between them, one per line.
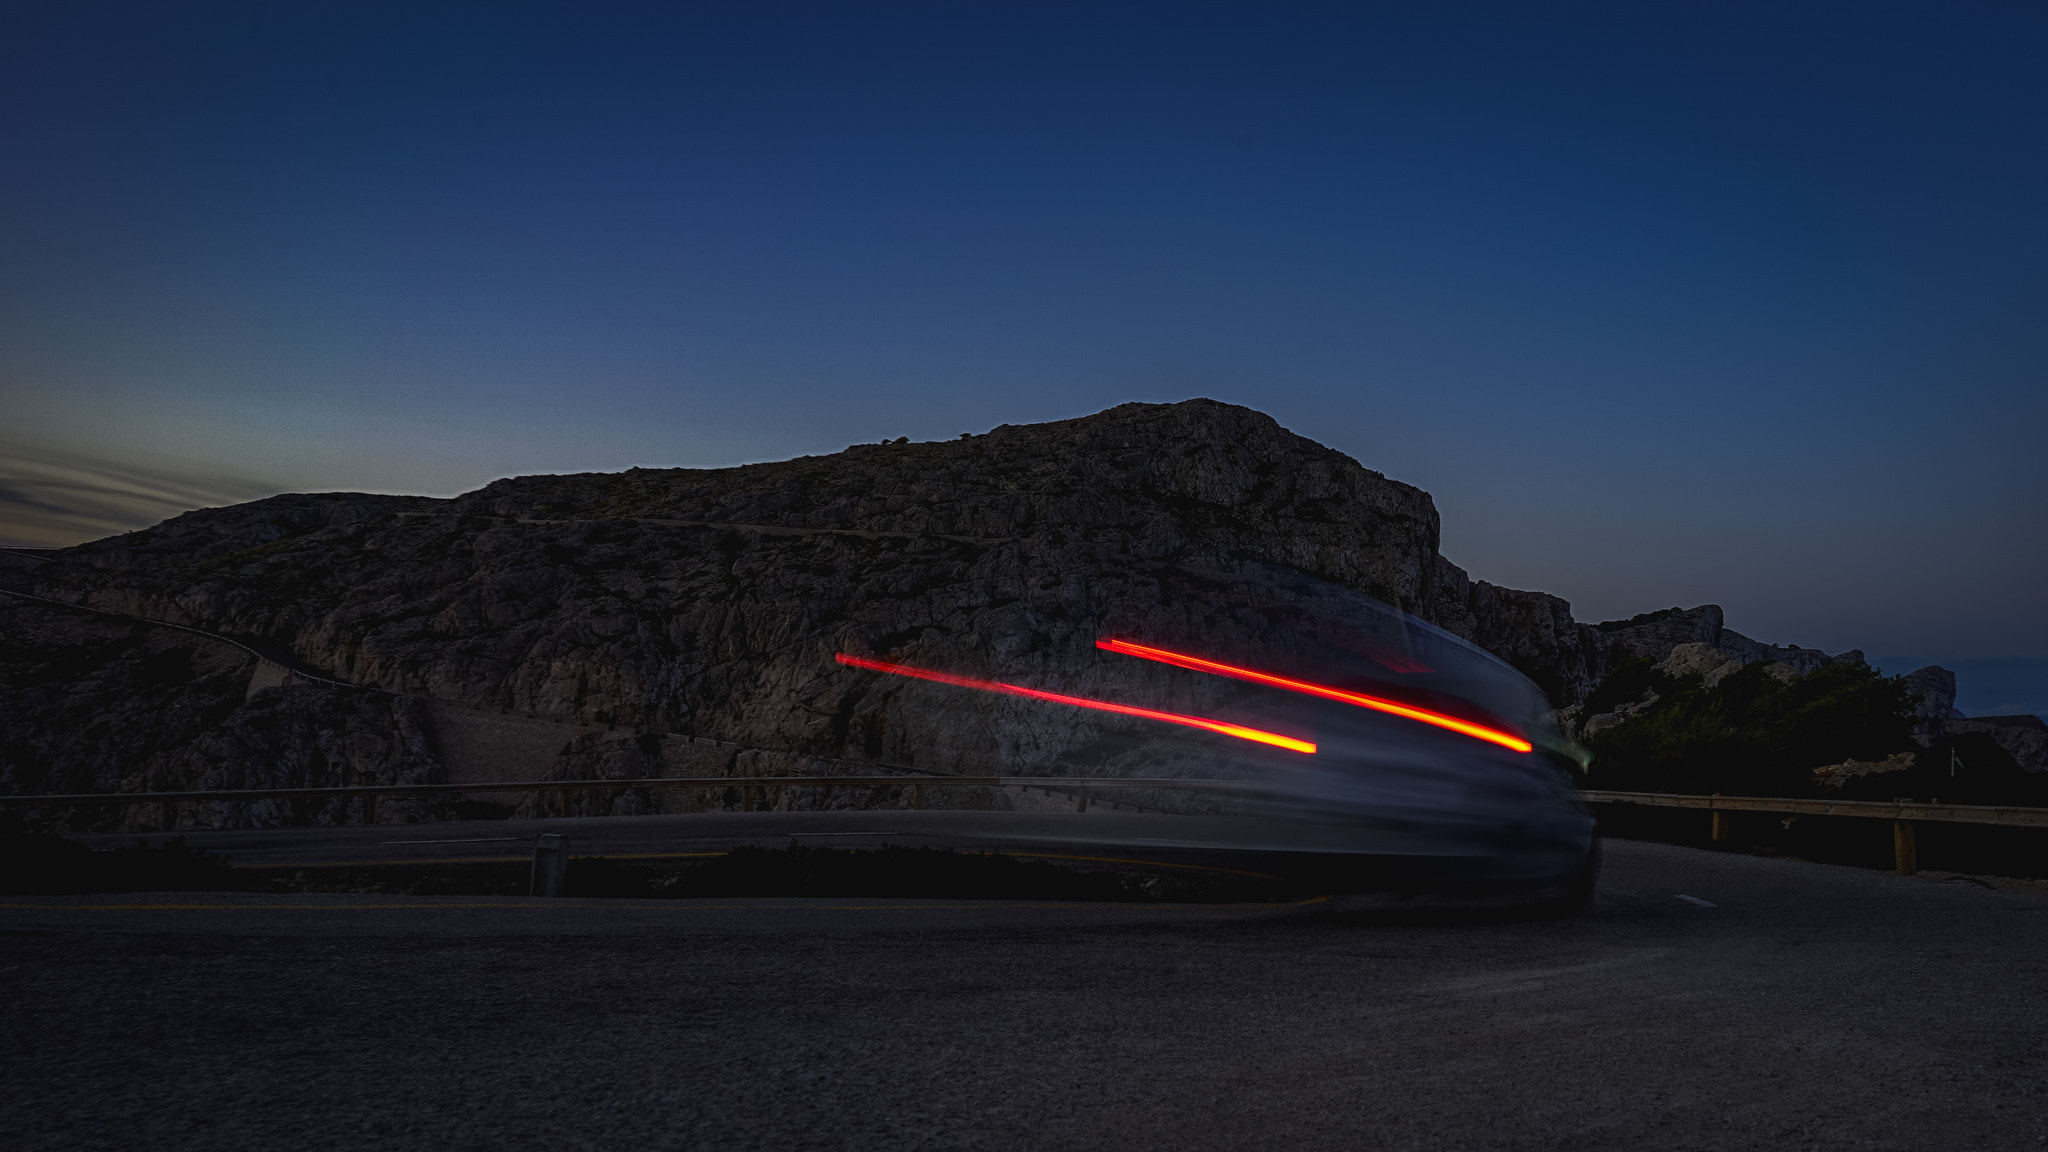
550	865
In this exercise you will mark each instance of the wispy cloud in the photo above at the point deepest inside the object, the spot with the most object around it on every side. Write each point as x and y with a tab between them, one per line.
51	498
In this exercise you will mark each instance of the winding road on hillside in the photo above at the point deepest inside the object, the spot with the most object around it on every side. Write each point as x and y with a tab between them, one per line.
1708	1000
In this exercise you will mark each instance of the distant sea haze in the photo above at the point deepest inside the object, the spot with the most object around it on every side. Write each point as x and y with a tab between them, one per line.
2010	687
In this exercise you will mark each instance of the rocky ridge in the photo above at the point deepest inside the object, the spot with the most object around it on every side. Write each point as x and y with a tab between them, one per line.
1686	642
654	606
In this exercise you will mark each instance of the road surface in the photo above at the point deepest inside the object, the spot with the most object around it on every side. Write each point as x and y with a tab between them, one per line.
1170	841
1708	1001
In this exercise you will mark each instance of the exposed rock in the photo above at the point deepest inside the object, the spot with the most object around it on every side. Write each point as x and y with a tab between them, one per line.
1834	776
2025	738
308	736
1535	632
1936	688
211	532
96	704
1698	658
1687	641
1654	635
605	756
1593	724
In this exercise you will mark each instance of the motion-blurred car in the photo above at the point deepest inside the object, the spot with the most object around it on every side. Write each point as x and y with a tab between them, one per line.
1325	738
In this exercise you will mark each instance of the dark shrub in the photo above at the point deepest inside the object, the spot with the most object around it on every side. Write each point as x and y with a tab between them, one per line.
52	865
1752	734
1965	769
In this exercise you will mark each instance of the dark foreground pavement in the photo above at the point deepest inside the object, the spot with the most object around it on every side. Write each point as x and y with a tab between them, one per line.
1809	1007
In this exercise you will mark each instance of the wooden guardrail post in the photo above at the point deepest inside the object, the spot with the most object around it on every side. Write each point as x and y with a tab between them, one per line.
566	802
1905	852
917	797
550	865
370	808
1720	826
1080	799
170	816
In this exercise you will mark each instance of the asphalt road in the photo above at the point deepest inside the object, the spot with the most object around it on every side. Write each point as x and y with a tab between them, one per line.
1785	1005
680	836
1174	841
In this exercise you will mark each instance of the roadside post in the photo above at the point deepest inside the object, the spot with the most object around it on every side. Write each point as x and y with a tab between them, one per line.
550	865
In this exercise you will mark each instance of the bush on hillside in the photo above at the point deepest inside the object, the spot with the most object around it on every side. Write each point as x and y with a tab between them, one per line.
1752	734
1630	681
1968	768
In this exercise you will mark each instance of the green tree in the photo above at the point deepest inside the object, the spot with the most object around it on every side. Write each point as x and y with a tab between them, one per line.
1751	734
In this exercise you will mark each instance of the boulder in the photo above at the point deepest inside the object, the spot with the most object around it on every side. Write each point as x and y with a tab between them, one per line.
2025	738
1698	658
1935	688
1834	776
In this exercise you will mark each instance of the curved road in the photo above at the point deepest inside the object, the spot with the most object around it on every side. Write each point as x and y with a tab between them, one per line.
1709	1000
1127	837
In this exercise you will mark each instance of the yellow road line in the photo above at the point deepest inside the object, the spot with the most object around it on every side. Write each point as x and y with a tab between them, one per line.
466	860
390	863
676	906
1152	863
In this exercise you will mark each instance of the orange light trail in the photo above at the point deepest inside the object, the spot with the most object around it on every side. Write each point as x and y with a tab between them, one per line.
1196	663
1218	726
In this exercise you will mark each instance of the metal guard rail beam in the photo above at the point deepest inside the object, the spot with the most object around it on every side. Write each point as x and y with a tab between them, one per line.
656	782
1873	809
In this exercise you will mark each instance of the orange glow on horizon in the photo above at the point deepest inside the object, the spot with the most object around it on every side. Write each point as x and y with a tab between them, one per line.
1408	711
1218	726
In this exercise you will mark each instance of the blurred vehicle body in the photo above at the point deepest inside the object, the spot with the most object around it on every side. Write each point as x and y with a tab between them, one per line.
1335	742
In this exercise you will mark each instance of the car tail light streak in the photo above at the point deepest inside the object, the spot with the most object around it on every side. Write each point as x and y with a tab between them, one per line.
1222	727
1377	704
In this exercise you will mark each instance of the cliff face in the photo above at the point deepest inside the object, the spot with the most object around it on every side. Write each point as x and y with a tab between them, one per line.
1534	631
710	602
647	596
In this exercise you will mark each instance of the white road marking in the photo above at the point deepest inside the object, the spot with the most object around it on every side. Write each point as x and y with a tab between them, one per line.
480	840
1698	901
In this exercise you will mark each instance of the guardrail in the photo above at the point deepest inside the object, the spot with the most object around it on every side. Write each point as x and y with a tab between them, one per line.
1903	814
750	787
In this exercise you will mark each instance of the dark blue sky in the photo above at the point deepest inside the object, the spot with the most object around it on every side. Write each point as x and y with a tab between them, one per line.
1664	303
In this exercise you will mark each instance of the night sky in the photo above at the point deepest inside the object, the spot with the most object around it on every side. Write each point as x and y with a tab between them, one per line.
1665	304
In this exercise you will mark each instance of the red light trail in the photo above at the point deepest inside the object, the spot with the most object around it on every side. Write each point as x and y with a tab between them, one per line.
1218	726
1196	663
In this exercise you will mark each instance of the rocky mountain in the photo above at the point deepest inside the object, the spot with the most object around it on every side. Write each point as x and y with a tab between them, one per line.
1709	644
632	620
1684	642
